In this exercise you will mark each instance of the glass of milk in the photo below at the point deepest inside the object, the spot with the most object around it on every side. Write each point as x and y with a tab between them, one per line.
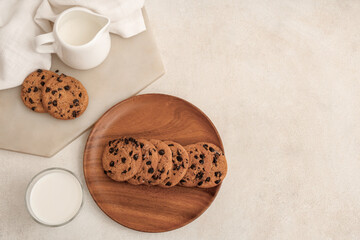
54	197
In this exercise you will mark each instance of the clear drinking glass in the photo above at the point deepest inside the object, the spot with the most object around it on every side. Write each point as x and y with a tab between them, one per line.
33	183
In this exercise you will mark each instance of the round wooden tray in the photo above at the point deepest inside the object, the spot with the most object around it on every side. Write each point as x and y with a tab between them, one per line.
148	208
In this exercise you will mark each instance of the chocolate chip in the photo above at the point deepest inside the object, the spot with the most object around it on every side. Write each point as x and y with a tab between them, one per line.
150	153
54	103
42	83
71	106
207	179
75	114
129	168
148	163
59	89
39	71
29	90
31	101
59	95
76	102
211	149
182	181
105	171
193	166
126	141
123	160
56	71
59	79
47	89
80	94
151	170
215	160
202	156
67	87
168	184
196	157
218	174
111	150
135	157
161	152
179	158
217	181
130	153
53	92
43	77
205	146
201	161
111	163
141	145
199	175
123	172
170	145
109	171
200	183
33	108
35	89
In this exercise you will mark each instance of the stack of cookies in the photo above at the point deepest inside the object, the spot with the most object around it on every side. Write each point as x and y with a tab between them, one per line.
164	163
62	96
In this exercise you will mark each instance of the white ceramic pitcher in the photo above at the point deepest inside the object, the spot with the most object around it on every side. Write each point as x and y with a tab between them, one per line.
80	38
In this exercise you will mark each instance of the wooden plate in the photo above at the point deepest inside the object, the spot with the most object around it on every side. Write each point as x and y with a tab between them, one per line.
148	208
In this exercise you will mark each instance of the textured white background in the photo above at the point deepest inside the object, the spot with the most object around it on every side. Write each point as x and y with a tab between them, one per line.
280	80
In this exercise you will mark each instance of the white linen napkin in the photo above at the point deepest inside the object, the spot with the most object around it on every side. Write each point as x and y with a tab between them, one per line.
22	20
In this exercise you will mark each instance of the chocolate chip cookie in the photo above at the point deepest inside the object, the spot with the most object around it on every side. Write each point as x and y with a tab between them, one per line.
195	172
214	163
150	159
180	163
164	165
64	97
121	158
31	91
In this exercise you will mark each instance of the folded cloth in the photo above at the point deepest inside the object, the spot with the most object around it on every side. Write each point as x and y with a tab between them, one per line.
22	20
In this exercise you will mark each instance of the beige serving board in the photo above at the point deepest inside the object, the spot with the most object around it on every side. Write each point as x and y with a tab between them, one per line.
132	65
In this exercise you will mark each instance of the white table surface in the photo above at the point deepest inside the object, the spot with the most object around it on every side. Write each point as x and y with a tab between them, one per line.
281	82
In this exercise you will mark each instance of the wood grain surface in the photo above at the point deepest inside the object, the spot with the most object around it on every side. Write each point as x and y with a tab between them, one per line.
148	208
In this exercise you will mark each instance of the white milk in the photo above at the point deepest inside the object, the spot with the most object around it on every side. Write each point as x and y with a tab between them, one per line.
56	197
77	28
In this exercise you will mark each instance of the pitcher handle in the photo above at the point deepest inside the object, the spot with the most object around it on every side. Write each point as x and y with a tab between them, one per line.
43	39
